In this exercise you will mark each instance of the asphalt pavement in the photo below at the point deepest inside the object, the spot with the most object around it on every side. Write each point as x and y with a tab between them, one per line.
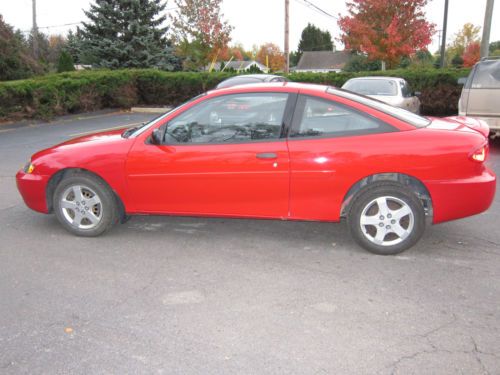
220	296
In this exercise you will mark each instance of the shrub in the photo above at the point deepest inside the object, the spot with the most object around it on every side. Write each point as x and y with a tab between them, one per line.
72	92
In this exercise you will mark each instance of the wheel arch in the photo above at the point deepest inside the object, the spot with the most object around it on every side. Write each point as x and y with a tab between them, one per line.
413	183
61	174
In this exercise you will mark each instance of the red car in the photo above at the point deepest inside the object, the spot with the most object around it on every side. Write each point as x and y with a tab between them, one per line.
282	151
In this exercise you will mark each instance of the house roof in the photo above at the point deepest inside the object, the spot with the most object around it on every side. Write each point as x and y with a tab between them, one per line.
323	60
243	65
239	65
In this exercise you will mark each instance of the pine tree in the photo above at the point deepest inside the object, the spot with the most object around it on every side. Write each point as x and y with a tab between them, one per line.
314	39
127	34
74	45
65	63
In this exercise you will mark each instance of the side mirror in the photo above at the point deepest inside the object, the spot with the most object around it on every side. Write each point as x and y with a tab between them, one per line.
417	93
462	81
157	136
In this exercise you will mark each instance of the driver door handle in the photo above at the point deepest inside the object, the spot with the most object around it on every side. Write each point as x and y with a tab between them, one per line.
266	155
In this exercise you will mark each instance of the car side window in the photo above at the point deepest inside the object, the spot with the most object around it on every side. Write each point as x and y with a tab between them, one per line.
405	89
321	117
487	75
232	118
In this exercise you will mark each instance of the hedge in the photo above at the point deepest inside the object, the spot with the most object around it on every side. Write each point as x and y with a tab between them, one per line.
74	92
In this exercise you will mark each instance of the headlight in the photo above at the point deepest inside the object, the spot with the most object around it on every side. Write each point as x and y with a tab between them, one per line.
28	167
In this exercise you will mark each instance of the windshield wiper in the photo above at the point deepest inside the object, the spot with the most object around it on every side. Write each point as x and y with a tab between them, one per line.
131	130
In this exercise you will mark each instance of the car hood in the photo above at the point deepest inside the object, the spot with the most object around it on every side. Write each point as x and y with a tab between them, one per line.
460	123
94	142
105	136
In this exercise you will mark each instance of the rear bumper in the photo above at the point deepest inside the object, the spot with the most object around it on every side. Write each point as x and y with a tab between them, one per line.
455	199
32	188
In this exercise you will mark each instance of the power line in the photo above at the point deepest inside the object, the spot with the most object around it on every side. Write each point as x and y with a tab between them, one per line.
76	23
316	8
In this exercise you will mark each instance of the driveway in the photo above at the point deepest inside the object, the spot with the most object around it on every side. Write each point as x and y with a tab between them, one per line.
219	296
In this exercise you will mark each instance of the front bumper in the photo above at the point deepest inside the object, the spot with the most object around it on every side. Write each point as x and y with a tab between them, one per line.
455	199
32	188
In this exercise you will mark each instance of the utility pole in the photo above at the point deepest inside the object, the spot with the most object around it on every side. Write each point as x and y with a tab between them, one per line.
443	41
34	31
287	34
439	39
485	41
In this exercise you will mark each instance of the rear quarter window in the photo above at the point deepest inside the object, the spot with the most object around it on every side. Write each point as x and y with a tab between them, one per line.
487	75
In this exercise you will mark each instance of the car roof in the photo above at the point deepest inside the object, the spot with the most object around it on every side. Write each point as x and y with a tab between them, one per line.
253	87
262	76
377	78
249	79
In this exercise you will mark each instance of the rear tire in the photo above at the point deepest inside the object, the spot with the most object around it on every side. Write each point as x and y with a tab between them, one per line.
386	219
85	205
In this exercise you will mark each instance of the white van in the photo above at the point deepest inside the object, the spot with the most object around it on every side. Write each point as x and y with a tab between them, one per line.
481	94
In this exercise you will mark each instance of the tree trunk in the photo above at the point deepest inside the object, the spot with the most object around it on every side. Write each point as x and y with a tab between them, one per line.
383	65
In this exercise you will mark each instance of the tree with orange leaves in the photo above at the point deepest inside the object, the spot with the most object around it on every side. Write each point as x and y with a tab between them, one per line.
200	31
471	54
234	52
386	30
270	53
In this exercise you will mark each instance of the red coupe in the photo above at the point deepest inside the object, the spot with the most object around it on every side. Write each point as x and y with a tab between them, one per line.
282	151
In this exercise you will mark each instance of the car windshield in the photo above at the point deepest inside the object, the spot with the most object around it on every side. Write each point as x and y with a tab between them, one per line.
133	132
399	113
383	87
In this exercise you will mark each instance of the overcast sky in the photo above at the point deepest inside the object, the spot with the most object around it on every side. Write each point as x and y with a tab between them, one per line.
255	21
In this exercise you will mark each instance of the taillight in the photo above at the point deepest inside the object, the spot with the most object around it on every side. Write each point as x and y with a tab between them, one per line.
480	154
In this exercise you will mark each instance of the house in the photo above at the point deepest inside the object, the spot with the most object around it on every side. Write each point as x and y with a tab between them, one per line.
240	65
323	61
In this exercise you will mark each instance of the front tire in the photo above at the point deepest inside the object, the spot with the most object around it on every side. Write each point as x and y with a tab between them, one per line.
85	205
386	219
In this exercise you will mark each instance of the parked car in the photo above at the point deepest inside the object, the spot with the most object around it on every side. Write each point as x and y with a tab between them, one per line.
393	91
273	151
481	94
250	78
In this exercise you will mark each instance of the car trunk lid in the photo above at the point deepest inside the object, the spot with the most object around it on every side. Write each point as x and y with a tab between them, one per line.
460	123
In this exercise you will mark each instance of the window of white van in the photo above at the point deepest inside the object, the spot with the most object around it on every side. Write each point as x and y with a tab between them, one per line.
487	75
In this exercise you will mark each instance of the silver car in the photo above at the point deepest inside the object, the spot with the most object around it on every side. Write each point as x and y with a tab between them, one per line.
391	90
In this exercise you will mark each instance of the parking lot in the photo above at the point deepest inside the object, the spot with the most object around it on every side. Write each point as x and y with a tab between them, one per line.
211	296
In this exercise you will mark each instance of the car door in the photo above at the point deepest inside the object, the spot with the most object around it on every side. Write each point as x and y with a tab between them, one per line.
328	144
224	156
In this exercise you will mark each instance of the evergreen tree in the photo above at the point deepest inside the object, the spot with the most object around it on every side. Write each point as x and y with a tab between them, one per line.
65	63
457	61
15	59
314	39
294	58
127	34
74	45
360	63
495	48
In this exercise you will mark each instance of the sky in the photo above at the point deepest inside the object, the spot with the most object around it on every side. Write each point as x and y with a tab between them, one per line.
256	21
